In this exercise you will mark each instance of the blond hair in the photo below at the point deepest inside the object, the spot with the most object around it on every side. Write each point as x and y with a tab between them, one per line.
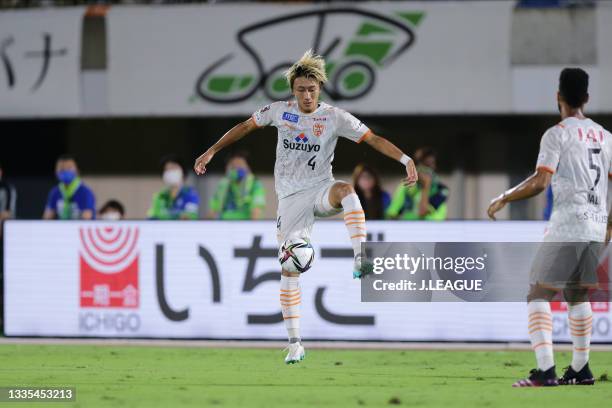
310	66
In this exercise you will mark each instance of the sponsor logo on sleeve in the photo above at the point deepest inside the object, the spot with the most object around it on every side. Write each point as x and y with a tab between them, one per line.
290	117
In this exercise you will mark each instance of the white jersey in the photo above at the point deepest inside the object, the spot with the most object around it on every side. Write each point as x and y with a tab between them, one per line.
306	142
578	152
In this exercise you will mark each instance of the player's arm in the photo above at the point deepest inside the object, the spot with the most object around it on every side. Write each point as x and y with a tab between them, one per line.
531	186
390	150
233	135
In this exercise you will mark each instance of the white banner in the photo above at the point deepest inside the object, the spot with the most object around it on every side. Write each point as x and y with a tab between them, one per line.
40	55
383	57
219	280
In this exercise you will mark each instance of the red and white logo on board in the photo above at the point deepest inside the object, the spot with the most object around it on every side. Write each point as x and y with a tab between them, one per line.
318	129
108	259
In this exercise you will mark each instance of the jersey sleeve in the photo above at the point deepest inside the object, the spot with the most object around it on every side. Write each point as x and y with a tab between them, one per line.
350	127
550	150
265	116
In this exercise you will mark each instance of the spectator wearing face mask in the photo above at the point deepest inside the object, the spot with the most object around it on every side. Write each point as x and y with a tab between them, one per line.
71	199
112	210
176	201
239	195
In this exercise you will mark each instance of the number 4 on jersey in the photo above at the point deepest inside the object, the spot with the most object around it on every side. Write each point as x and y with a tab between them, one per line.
312	162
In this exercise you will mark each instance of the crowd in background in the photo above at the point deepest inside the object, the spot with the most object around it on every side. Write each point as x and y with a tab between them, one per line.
239	195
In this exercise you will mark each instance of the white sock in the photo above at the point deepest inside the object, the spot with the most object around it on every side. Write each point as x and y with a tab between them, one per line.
581	325
540	332
354	218
290	299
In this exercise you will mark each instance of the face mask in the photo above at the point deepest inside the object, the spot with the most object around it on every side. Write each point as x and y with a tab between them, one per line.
111	216
173	177
66	176
238	174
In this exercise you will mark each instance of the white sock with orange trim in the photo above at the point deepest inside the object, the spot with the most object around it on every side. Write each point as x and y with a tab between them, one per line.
354	218
540	332
581	325
290	298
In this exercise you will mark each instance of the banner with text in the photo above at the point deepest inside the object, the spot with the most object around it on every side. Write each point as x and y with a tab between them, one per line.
219	280
40	55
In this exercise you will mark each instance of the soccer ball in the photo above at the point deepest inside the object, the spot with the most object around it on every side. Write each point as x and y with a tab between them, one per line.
296	255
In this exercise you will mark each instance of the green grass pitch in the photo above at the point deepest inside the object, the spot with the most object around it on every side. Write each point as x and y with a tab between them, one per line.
133	376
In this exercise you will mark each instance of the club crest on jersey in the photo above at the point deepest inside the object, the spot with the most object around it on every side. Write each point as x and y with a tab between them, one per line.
301	138
318	129
291	117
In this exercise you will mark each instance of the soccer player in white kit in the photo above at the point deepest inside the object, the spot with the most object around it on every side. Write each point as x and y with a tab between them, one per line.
307	134
576	155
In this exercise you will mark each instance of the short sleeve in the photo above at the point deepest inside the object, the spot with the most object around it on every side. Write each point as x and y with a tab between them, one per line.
350	127
264	116
550	150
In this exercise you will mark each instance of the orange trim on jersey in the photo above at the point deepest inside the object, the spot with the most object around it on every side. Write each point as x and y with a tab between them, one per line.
289	290
546	168
254	121
353	212
561	125
291	317
363	137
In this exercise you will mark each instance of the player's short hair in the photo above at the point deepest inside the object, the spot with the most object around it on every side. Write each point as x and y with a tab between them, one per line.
310	66
574	86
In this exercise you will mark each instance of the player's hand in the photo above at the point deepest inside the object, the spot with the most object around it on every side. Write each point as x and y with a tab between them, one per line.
202	161
412	175
496	204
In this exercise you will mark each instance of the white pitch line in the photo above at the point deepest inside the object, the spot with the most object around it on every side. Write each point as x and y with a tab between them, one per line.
265	344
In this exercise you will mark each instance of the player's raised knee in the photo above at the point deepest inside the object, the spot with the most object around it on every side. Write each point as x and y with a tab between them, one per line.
344	189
